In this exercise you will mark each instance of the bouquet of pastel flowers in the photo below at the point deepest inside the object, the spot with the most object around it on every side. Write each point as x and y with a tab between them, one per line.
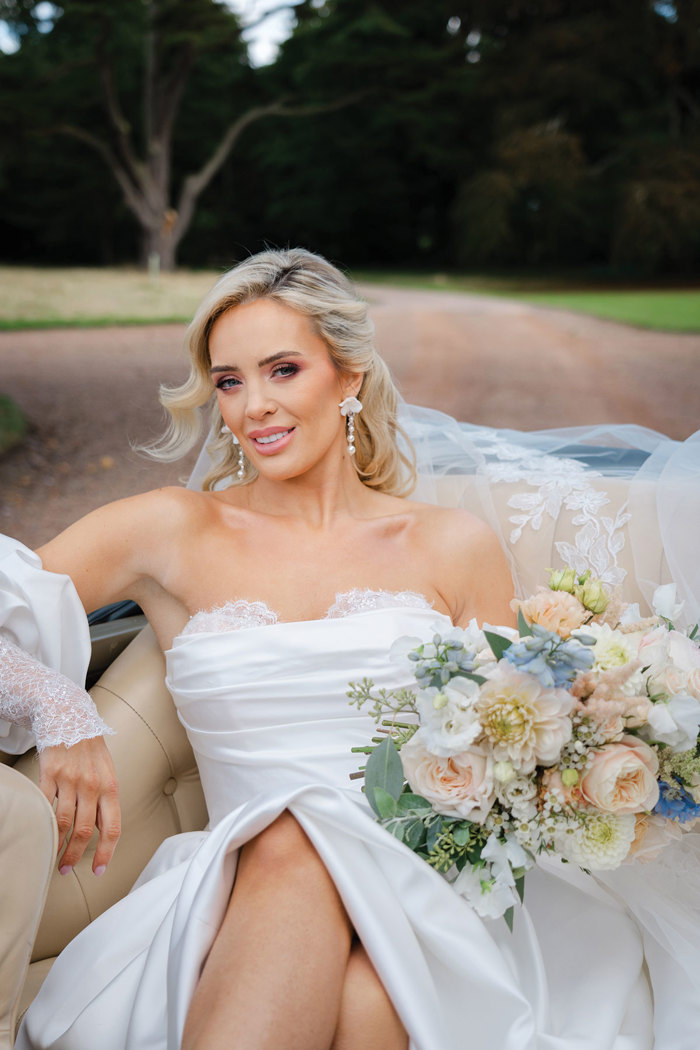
576	735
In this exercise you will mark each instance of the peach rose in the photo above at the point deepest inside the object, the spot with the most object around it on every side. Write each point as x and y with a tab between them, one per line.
692	682
557	611
651	835
457	786
621	777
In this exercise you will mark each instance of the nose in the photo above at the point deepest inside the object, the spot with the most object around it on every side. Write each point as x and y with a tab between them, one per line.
259	403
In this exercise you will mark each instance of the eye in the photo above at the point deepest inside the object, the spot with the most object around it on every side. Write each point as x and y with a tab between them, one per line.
227	383
285	369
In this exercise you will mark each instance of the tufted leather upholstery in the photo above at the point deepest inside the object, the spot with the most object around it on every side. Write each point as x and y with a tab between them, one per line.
160	795
159	785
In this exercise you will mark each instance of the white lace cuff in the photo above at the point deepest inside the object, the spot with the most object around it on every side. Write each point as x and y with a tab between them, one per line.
49	703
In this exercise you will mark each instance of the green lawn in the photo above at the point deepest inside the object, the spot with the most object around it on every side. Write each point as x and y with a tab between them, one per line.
45	298
668	309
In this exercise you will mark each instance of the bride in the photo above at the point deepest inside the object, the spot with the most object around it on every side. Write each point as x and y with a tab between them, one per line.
295	921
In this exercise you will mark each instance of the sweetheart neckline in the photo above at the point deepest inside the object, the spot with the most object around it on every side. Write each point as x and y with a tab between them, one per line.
416	601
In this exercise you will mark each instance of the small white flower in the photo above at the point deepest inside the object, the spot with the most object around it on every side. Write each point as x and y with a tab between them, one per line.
518	790
676	722
664	602
489	900
503	772
504	856
399	651
612	648
471	636
448	718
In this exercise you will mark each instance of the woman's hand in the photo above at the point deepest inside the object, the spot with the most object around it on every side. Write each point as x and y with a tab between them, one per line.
82	780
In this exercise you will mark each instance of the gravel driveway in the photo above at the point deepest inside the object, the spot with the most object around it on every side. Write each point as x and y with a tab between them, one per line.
89	392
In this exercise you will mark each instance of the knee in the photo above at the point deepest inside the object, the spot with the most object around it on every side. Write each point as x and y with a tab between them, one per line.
282	846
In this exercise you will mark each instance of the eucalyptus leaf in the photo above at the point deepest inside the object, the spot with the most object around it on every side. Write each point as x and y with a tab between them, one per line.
385	804
520	887
410	803
413	833
498	643
508	916
384	770
433	833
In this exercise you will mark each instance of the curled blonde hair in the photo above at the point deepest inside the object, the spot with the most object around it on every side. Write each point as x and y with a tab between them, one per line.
314	287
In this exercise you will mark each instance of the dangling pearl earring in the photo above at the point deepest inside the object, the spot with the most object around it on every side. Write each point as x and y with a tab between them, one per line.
348	407
241	458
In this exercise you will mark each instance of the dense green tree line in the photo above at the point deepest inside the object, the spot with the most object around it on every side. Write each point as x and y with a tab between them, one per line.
519	133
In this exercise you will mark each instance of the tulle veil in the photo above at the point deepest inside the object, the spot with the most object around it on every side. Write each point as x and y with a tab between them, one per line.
626	493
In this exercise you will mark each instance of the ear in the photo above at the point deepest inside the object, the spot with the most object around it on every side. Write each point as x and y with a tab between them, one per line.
350	383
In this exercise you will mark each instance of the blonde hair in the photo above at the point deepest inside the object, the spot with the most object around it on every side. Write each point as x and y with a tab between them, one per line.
314	287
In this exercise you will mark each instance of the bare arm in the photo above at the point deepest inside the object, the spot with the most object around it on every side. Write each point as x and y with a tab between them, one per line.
478	583
109	555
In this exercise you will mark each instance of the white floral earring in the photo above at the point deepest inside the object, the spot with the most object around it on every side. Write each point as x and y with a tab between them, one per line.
234	440
348	407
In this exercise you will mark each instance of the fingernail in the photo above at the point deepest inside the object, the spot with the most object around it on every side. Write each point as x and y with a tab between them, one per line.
65	869
100	869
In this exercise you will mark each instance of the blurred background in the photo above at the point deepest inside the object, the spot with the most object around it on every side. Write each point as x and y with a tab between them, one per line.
515	184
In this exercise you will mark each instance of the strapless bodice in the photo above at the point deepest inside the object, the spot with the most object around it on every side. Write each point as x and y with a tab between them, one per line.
266	706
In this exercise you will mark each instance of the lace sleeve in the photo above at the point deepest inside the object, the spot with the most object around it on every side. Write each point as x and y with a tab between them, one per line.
49	703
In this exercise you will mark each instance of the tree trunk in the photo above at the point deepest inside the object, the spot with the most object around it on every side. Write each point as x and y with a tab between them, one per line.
159	246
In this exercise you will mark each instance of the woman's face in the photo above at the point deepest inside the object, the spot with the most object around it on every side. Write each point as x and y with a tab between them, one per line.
277	388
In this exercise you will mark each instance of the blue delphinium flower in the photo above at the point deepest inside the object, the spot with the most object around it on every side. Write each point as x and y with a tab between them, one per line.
438	662
553	660
675	803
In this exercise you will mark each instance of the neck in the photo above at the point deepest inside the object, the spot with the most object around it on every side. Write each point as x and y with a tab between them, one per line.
318	498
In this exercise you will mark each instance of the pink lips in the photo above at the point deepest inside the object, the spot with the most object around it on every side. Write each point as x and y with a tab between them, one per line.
268	448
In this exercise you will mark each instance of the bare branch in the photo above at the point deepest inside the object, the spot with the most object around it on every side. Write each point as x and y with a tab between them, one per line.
194	184
122	127
133	199
168	94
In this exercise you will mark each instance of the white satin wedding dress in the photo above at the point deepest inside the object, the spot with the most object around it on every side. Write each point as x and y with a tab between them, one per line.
264	704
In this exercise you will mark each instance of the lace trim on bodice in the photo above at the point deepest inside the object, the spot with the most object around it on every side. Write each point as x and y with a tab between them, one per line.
241	614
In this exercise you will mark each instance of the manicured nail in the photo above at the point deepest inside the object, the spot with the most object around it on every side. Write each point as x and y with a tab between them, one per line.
100	869
65	869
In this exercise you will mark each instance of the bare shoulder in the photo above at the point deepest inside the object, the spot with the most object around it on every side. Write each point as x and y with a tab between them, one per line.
111	549
472	573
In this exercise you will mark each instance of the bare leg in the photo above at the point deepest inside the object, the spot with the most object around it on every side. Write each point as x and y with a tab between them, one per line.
368	1020
275	973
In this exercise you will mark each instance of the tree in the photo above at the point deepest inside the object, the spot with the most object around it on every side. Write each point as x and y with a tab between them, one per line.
169	40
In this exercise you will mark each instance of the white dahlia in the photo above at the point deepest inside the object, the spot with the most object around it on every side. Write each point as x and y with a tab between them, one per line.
524	722
600	842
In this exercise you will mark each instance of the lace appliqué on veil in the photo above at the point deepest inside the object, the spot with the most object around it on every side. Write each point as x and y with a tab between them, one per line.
559	483
241	614
38	698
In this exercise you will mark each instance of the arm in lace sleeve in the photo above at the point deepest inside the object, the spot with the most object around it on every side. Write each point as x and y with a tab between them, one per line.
49	703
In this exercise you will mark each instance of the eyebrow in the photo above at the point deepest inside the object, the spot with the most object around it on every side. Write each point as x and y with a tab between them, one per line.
261	364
